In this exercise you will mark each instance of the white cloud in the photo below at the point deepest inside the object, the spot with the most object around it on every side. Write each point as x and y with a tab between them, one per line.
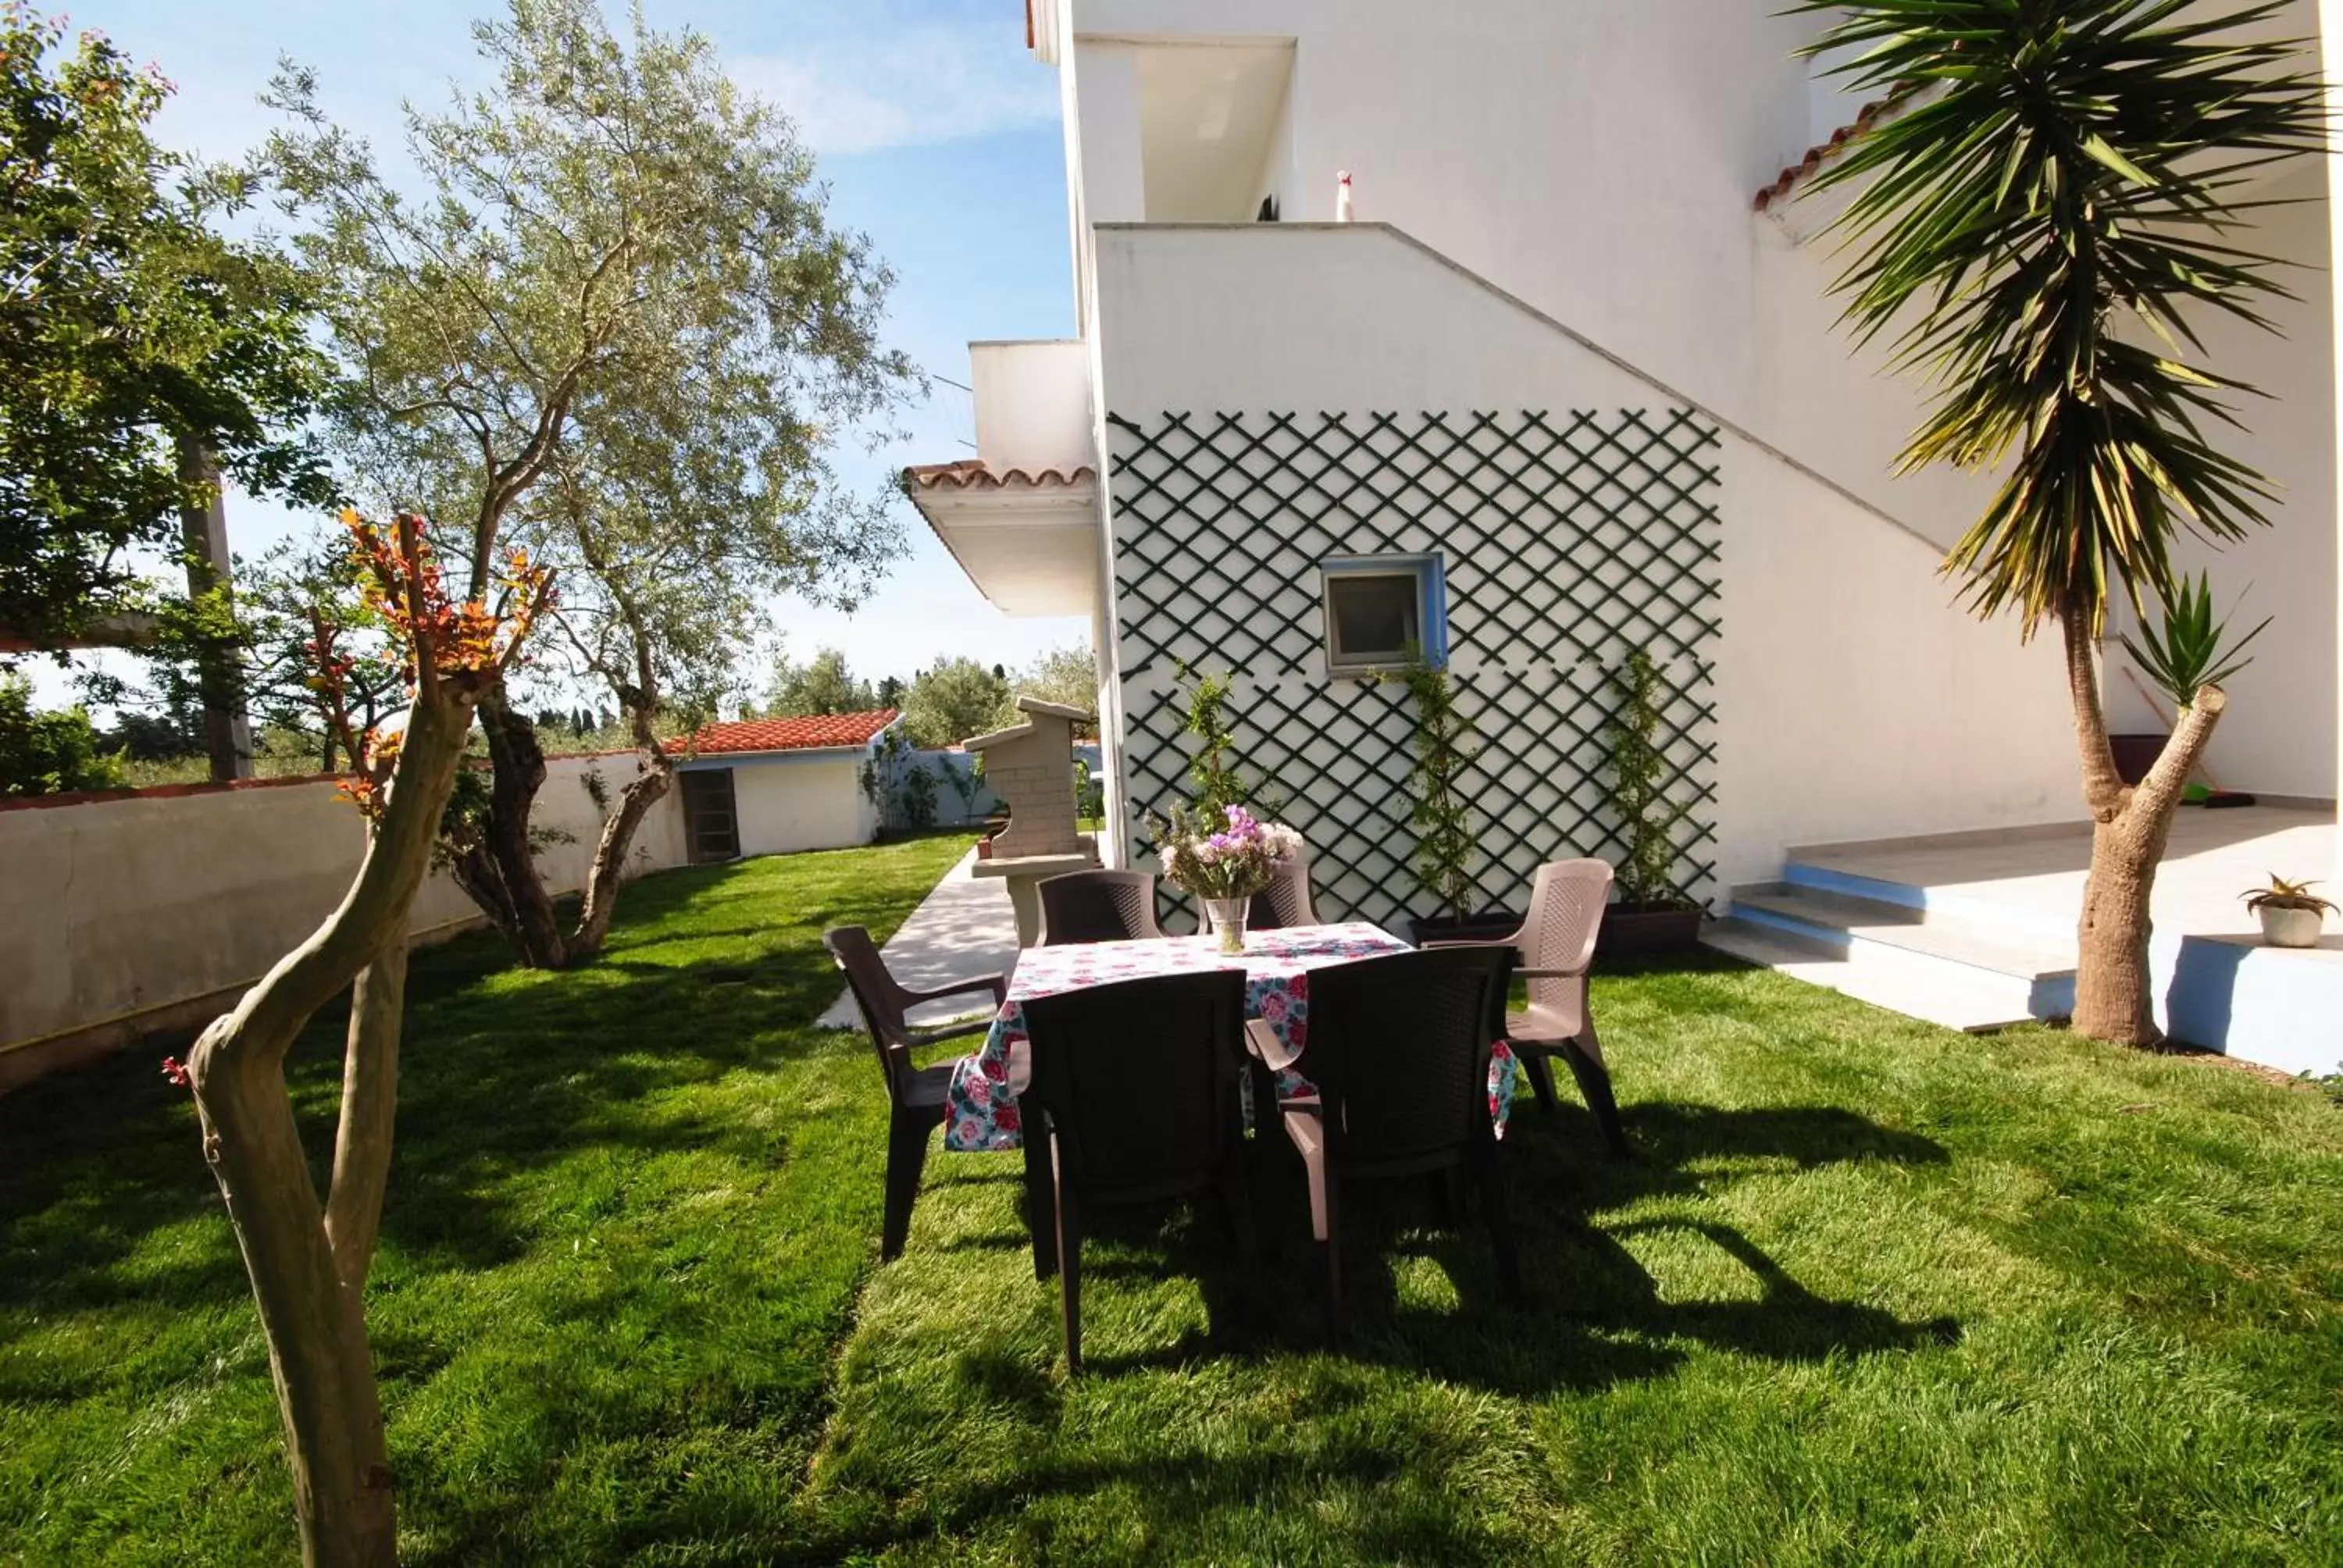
906	86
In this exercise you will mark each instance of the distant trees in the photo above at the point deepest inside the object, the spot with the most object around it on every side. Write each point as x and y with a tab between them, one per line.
954	698
1067	676
49	753
822	684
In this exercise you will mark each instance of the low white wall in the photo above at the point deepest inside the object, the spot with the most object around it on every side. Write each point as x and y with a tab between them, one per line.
814	803
115	913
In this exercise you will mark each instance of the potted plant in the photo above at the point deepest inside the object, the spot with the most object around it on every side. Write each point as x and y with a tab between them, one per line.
1445	843
2290	913
1652	914
2189	652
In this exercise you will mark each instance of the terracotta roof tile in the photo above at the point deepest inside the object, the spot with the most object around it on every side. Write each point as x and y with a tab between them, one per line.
814	733
1821	153
973	474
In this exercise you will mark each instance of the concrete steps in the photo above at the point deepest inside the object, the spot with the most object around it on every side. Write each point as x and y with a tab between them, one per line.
1885	945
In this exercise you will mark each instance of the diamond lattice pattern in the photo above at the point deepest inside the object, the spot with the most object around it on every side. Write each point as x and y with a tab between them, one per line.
1566	541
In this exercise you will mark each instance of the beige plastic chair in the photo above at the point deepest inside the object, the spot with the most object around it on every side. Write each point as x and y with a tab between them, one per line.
1556	944
1282	905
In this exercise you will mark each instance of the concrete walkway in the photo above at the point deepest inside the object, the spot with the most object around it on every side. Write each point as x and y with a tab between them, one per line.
963	930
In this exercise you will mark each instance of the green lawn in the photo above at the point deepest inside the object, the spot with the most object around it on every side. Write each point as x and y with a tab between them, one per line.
1872	1292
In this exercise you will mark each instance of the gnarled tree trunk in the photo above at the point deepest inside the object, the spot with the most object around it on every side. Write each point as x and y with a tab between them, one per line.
528	918
2130	827
308	1260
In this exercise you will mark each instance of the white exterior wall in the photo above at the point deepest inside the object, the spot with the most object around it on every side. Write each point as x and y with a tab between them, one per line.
1853	697
114	908
1598	160
1032	404
800	803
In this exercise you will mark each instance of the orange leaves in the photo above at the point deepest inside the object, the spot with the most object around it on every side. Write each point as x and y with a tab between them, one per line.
444	636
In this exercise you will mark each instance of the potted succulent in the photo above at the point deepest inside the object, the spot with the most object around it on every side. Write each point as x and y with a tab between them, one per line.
2290	913
1651	915
2191	650
1445	844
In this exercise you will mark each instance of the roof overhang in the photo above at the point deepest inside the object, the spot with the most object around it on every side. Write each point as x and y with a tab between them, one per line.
1030	544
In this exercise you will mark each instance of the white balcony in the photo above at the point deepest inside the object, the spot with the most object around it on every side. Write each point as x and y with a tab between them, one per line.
1021	516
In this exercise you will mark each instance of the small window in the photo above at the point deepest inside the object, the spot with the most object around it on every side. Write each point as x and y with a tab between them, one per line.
1380	608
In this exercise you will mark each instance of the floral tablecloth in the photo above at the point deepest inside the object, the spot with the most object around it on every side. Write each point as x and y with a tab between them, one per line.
982	1111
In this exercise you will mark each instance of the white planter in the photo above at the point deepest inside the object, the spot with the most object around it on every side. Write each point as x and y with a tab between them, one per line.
2290	928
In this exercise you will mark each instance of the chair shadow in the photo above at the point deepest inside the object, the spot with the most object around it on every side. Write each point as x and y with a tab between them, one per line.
1591	1315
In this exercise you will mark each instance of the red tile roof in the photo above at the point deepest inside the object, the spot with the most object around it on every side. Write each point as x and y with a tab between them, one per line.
973	474
809	734
1823	152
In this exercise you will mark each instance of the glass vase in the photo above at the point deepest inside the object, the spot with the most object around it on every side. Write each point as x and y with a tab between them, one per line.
1227	916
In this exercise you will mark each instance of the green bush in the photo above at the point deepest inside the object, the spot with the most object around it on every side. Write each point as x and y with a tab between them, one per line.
49	753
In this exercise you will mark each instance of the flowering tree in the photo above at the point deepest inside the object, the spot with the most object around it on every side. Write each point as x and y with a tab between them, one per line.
308	1258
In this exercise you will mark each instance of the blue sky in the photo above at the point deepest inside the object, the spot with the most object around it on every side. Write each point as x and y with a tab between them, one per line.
937	132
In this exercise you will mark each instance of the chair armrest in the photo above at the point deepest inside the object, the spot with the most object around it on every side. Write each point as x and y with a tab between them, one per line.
997	984
1468	942
925	1036
1263	1042
1549	974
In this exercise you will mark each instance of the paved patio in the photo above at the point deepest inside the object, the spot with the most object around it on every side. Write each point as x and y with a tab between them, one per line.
963	930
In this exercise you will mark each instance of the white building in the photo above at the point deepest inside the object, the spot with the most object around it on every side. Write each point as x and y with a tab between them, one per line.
772	786
1570	385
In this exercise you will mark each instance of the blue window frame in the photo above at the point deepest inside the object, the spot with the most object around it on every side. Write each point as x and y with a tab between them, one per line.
1380	608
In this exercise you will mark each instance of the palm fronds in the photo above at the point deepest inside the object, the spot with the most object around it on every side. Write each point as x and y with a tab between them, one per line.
2038	233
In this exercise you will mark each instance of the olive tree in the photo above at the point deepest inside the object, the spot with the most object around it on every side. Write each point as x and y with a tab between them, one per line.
613	240
307	1258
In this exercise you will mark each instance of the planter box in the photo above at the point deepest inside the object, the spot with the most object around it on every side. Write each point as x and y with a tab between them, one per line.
1489	926
2135	754
1630	930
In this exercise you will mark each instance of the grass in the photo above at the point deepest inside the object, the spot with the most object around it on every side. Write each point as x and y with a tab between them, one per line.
1870	1293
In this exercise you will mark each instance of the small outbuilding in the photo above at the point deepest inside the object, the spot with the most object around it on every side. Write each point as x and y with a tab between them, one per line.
769	786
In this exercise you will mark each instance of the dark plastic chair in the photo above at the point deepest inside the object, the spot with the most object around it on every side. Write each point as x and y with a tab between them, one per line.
1282	905
1399	1049
1556	946
917	1093
1098	907
1136	1084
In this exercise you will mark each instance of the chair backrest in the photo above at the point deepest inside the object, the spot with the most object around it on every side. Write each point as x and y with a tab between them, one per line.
1564	917
1139	1079
1399	1049
883	1002
1098	907
1285	902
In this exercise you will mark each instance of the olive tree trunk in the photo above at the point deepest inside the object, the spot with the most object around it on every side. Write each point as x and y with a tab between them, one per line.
308	1260
2130	825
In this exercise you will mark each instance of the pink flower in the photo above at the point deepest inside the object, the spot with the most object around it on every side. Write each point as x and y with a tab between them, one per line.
177	1072
1272	1008
996	1068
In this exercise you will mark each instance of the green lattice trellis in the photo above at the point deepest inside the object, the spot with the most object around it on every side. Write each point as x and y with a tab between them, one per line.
1566	541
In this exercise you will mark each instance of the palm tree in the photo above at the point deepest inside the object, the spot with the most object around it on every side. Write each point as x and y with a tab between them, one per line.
2036	232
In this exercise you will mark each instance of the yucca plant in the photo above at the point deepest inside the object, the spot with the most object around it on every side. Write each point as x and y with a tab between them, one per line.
2191	650
2037	233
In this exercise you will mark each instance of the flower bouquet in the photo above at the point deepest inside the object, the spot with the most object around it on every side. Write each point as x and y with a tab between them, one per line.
1223	862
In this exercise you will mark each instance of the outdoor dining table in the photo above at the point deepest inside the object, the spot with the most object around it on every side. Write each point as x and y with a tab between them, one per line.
981	1109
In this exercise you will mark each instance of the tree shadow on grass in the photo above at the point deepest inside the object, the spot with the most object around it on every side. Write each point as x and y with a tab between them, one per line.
502	1070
